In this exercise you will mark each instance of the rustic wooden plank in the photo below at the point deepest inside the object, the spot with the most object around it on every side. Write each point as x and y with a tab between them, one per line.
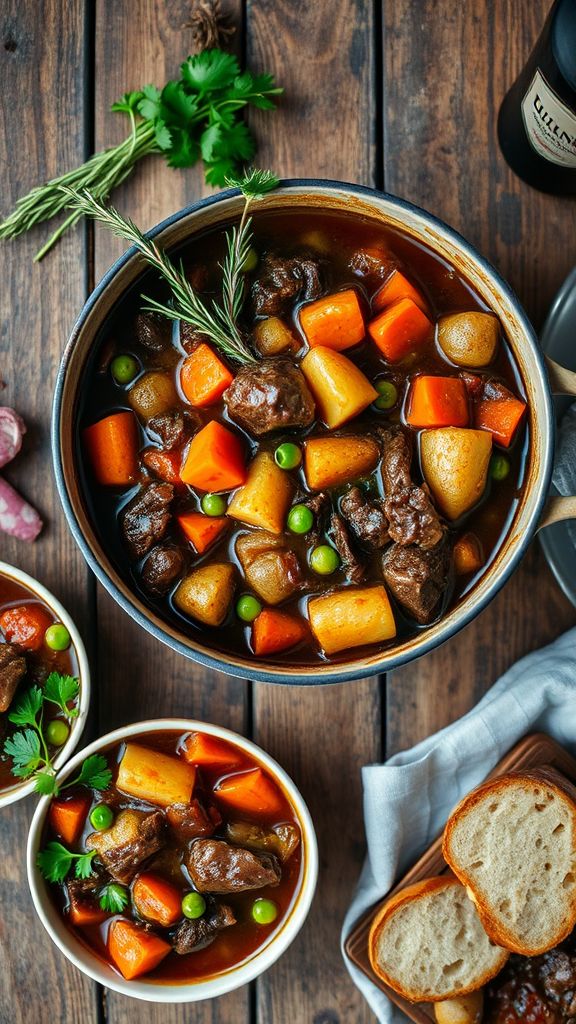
42	116
143	42
325	127
447	68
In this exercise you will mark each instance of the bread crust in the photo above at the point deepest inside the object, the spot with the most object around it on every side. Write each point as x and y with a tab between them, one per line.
417	891
495	929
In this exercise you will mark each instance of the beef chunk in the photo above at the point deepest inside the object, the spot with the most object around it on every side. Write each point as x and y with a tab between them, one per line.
270	395
12	670
146	517
190	338
153	331
372	263
366	519
283	280
193	820
354	568
412	518
172	428
162	568
217	867
196	934
418	577
123	861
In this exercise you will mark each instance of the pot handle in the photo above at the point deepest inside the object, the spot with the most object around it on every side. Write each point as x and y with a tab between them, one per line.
556	510
562	381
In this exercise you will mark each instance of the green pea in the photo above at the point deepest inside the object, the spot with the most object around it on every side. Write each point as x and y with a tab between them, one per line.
288	455
213	505
499	467
248	607
57	637
101	817
387	394
324	560
300	519
57	732
264	911
251	261
124	369
193	905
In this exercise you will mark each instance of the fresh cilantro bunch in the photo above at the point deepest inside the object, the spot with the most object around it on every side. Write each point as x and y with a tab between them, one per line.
194	117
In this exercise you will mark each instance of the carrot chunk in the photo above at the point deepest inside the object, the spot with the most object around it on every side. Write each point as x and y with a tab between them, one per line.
112	448
157	900
399	329
203	750
202	530
252	792
215	460
274	631
83	913
165	465
67	817
437	402
133	950
500	412
397	287
335	321
468	554
25	625
204	377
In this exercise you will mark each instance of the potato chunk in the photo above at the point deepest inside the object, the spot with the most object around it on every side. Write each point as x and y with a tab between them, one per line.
126	829
206	593
155	777
455	466
461	1010
152	394
352	618
272	337
330	461
264	499
340	389
274	575
469	339
250	545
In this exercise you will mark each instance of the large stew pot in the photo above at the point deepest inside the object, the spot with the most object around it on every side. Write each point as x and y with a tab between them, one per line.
540	377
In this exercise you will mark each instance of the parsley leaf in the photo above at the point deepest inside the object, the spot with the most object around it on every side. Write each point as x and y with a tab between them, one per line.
209	70
94	773
184	150
61	690
24	749
55	861
177	108
218	172
162	135
45	783
208	140
149	105
128	103
114	898
27	708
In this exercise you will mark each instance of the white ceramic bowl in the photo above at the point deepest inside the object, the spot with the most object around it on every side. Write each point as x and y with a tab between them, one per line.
159	992
22	789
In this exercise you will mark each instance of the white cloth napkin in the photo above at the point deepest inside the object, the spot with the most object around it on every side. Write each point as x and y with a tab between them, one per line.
564	476
408	799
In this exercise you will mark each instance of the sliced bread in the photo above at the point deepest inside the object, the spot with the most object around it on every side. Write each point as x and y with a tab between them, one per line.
512	843
428	944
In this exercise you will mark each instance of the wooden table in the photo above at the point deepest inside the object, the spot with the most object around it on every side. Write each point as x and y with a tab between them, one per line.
401	96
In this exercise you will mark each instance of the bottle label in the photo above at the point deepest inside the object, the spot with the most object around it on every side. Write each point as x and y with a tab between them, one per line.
550	124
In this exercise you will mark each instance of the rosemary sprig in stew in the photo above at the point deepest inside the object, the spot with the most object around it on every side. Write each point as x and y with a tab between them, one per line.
218	320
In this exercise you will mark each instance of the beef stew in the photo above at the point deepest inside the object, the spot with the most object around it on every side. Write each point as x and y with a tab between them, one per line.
179	861
370	459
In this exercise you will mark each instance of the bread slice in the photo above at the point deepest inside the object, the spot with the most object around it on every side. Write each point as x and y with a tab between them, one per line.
512	843
428	944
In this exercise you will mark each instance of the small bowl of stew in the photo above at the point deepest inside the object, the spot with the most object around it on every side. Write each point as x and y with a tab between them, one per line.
44	685
176	862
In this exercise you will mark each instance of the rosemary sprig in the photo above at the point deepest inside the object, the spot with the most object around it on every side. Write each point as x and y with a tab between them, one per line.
218	321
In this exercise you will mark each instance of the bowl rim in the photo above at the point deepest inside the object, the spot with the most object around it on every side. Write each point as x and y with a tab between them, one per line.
19	791
309	675
184	992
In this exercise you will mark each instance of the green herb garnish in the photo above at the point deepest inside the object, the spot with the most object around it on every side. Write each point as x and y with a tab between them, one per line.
94	773
62	690
194	117
218	320
55	862
114	898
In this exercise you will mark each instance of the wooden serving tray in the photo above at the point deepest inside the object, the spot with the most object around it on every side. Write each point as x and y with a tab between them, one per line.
531	752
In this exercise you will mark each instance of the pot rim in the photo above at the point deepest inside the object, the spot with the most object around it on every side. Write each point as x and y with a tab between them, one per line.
182	992
23	789
354	669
